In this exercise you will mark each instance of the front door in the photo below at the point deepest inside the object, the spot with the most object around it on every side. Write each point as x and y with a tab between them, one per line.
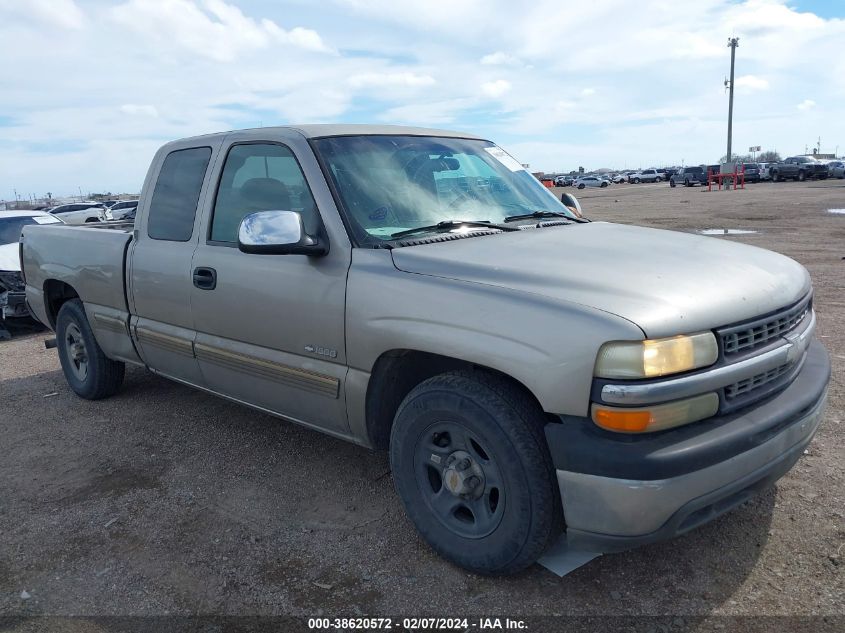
270	332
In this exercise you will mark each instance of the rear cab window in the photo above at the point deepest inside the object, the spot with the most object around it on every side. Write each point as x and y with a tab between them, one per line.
173	207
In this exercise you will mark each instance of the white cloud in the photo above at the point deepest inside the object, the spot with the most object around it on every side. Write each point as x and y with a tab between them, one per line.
408	79
496	88
214	29
751	83
806	104
64	14
588	92
134	109
500	59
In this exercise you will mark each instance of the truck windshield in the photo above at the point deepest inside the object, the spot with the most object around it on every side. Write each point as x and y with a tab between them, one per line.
389	184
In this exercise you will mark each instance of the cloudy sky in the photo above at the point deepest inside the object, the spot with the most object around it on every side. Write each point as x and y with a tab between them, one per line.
91	88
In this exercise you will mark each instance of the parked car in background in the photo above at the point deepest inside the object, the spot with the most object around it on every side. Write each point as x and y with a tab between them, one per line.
646	175
124	210
81	212
564	181
764	171
798	168
688	177
669	172
751	171
619	178
589	181
12	288
836	169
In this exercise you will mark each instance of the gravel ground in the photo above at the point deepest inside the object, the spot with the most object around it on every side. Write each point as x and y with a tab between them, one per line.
164	500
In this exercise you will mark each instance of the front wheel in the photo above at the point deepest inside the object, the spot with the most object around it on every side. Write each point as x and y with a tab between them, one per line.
604	184
581	186
658	179
471	465
802	176
88	371
672	183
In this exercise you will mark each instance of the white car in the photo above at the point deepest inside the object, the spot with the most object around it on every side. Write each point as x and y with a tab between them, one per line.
836	168
619	178
12	295
589	181
124	210
646	175
81	212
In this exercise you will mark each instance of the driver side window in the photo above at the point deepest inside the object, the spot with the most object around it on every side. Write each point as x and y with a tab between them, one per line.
260	177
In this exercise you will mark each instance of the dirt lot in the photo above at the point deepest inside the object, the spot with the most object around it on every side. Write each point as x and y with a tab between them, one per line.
164	500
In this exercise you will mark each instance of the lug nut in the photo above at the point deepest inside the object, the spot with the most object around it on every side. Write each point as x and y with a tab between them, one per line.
463	464
472	482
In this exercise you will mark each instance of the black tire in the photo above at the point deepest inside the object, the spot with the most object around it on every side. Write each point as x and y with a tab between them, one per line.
686	182
480	419
672	182
604	184
802	176
581	186
89	373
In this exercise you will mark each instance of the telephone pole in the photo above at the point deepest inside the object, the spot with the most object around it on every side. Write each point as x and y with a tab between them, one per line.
733	42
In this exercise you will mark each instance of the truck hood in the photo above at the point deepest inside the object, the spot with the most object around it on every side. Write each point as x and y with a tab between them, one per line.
666	282
9	259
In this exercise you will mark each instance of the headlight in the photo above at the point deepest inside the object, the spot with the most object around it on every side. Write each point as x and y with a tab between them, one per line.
657	357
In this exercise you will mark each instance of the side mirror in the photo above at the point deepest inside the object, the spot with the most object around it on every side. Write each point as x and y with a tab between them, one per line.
277	233
571	202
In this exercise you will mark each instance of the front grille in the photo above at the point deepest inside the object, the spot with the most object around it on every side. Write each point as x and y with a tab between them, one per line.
746	385
748	336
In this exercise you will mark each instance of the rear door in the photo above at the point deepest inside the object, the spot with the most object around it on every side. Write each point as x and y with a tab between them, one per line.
160	278
270	331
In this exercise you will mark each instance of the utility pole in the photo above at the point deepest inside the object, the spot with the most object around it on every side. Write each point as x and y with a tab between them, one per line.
733	42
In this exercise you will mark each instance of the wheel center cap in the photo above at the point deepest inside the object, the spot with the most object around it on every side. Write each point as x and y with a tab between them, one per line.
462	476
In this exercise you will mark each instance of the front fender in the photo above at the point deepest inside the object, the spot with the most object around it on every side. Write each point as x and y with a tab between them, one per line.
547	345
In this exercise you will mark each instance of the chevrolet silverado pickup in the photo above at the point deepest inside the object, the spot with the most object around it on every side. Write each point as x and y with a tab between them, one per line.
532	374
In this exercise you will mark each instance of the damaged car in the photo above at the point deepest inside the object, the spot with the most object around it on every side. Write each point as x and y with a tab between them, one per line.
12	295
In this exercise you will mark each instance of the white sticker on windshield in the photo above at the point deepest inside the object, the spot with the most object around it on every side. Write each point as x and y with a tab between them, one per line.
43	219
503	157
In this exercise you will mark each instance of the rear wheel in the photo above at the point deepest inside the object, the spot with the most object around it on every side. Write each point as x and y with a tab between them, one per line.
604	184
671	182
88	371
581	186
802	176
471	465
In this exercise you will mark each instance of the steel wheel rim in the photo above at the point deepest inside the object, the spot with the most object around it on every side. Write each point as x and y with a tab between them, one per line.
470	511
77	353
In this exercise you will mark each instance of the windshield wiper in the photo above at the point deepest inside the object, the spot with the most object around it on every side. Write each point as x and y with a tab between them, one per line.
448	225
536	215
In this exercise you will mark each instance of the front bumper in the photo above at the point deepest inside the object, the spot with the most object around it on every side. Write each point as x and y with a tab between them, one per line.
13	305
621	491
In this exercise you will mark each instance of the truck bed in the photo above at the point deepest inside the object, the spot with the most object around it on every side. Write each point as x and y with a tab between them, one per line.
90	259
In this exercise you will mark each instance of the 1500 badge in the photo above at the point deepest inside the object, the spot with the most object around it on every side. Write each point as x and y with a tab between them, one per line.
322	351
